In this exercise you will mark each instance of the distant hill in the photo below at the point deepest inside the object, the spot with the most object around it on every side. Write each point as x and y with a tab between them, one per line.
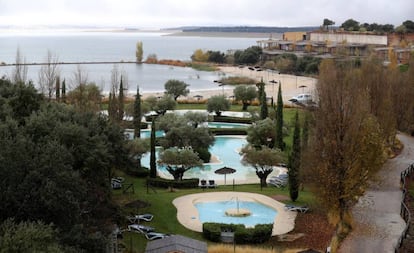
247	29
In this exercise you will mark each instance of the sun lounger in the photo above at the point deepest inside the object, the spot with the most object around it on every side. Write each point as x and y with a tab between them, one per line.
140	217
203	184
154	235
302	209
140	228
211	184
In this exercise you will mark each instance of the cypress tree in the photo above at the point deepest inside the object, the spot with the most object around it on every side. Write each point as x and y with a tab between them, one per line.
262	99
137	115
153	165
121	102
57	88
294	162
64	91
305	131
279	120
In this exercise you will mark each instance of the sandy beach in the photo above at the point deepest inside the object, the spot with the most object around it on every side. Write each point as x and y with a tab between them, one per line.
291	85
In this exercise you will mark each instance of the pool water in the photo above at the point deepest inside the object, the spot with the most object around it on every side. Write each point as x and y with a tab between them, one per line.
146	133
226	149
215	212
227	125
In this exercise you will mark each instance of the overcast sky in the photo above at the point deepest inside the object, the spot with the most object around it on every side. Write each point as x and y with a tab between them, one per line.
172	13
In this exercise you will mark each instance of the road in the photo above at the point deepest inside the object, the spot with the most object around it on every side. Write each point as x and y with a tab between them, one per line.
377	221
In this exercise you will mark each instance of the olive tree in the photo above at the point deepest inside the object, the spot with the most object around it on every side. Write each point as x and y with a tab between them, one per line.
176	88
245	94
217	104
179	160
262	160
262	133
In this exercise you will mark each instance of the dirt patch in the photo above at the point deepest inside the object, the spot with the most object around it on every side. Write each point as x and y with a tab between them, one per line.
312	230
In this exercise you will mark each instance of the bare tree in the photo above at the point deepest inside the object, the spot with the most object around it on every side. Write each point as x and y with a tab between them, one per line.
346	144
48	74
80	76
19	74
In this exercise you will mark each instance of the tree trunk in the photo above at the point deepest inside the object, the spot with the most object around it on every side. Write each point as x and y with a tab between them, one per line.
263	182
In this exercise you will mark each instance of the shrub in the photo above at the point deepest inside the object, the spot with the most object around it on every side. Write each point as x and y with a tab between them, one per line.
232	119
229	131
212	231
242	235
166	183
141	172
204	154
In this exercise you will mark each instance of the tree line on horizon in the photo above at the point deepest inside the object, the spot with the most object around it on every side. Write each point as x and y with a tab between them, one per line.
348	25
353	25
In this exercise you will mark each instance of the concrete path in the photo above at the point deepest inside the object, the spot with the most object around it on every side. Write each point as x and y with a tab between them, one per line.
378	224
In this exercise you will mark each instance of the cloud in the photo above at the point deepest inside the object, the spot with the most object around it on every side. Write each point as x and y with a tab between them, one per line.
168	13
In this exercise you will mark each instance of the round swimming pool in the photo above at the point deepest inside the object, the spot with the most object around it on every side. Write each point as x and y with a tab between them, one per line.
216	212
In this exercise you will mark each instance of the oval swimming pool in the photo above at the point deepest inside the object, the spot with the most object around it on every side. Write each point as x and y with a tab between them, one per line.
216	212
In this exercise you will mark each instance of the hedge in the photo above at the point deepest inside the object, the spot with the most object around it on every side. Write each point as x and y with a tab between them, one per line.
166	183
142	172
229	131
242	235
232	119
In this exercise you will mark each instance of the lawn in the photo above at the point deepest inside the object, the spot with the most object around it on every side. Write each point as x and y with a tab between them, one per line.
160	200
160	205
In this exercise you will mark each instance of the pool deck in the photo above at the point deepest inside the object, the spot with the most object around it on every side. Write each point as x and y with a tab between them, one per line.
187	213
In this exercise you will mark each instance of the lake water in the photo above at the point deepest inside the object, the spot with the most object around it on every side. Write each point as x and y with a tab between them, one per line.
117	46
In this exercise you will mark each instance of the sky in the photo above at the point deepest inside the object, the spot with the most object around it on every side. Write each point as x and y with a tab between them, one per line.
175	13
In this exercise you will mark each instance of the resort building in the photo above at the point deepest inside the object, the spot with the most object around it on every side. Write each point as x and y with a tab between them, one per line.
337	44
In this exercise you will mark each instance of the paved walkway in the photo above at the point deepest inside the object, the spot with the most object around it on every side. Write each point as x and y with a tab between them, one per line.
378	224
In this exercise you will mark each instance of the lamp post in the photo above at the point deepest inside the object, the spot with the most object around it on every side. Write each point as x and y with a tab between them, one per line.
273	86
221	84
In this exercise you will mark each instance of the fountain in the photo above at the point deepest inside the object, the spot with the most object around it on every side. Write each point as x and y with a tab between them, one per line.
237	212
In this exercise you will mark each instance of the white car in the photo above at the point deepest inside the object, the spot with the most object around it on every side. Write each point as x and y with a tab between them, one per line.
302	98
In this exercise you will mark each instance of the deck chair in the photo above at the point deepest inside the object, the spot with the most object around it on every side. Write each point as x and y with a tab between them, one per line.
203	184
154	235
140	217
140	228
145	217
212	184
302	209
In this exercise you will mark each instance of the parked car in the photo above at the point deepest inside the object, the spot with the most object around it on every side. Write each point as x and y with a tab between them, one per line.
302	98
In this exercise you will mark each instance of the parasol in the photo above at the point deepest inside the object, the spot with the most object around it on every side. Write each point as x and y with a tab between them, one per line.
224	171
302	86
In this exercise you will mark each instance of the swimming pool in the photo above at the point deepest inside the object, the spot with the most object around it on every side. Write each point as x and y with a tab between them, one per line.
188	214
227	125
226	151
146	133
216	212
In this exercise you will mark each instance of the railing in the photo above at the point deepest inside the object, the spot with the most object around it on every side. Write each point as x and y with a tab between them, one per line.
405	213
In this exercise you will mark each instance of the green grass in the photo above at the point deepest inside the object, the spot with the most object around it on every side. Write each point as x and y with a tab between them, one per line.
165	213
161	206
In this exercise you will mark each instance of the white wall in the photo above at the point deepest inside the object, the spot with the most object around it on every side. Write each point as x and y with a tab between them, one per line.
350	38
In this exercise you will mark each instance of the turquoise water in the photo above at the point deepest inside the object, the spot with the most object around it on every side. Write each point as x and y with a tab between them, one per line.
215	212
227	125
147	133
226	149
